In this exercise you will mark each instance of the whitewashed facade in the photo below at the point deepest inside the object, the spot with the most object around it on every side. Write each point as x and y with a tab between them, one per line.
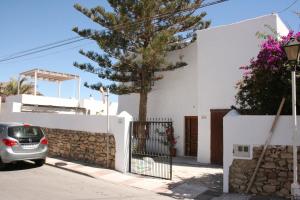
95	121
208	81
32	103
252	130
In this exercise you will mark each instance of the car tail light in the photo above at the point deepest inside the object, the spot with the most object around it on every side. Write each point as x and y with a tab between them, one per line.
9	142
44	141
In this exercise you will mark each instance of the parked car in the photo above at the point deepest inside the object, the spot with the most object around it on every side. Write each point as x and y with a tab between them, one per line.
20	142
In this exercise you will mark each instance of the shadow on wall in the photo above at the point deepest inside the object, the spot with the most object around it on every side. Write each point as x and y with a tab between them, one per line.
204	186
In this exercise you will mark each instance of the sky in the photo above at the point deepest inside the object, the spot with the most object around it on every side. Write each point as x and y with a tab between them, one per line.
32	23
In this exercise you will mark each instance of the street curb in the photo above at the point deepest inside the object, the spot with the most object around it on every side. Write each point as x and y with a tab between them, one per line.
71	170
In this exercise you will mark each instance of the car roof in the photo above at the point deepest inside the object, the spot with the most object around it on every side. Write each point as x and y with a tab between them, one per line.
11	124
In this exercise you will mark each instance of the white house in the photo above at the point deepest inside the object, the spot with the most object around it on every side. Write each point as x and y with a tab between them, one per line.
198	95
87	115
46	104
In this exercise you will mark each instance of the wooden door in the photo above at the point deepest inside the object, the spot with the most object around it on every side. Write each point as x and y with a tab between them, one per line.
216	140
191	135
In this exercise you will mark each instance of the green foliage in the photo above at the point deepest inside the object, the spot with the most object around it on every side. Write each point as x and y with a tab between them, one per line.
136	38
11	87
262	95
266	80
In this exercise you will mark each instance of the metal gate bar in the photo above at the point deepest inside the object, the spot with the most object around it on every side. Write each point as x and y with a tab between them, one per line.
150	144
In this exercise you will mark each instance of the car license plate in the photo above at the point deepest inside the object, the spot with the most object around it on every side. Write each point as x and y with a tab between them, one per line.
29	146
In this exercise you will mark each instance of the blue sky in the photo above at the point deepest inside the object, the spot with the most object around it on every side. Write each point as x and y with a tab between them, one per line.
31	23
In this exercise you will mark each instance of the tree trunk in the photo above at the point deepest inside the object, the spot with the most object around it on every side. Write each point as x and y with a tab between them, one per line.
142	121
143	106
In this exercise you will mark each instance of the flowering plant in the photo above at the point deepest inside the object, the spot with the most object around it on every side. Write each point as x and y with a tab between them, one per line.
266	79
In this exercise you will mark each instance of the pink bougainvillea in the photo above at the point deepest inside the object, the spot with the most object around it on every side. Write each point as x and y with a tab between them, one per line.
266	79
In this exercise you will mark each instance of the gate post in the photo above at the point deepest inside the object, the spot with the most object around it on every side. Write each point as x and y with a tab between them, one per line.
171	156
130	149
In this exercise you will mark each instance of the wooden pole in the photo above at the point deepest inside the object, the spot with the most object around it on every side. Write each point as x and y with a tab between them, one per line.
271	132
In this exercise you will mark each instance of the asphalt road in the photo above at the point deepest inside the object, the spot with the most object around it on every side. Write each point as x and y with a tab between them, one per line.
26	182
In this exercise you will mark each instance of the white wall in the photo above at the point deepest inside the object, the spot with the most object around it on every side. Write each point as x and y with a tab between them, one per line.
175	96
42	100
11	107
252	130
94	106
221	52
119	127
208	82
98	107
281	27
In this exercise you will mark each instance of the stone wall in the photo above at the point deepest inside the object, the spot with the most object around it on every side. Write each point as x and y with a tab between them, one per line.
274	176
82	146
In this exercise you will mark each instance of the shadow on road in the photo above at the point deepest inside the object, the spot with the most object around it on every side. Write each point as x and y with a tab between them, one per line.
192	162
209	185
21	165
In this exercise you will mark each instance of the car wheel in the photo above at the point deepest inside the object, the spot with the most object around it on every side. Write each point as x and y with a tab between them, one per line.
2	165
39	162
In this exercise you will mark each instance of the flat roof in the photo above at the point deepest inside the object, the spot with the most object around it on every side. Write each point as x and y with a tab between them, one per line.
49	75
11	123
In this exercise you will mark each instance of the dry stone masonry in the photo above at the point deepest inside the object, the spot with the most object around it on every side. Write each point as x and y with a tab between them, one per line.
274	176
82	146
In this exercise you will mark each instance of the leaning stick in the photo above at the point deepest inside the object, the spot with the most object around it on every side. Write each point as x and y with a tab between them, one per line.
266	144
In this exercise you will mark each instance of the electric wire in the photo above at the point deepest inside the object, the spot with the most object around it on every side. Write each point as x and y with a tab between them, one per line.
141	20
50	54
39	47
285	9
64	42
41	50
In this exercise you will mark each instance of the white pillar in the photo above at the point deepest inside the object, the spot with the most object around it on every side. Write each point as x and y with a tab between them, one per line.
107	115
35	82
19	78
58	89
107	108
78	88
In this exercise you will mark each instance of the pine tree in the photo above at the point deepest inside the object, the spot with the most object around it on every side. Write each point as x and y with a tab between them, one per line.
136	37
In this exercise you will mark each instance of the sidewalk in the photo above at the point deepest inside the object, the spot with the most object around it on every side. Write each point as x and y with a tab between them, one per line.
189	181
153	184
192	181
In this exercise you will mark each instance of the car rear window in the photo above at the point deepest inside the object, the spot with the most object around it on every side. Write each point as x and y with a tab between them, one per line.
2	130
25	132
